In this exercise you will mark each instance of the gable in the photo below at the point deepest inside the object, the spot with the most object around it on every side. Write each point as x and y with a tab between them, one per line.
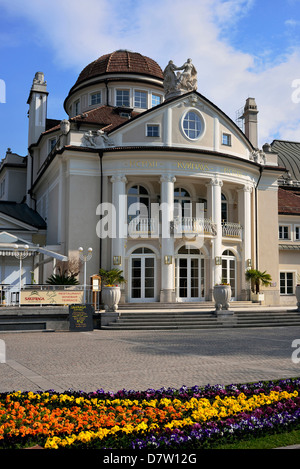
15	216
173	121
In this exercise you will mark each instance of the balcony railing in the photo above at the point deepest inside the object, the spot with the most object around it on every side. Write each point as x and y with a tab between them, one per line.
143	227
231	230
190	225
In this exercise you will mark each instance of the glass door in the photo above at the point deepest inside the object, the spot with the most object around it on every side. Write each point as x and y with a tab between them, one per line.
142	278
229	271
189	276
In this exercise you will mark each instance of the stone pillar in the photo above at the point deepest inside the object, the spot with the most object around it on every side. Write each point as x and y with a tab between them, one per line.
244	210
214	192
119	201
167	293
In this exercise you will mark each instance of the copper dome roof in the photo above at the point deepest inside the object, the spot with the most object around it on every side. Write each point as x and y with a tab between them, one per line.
121	61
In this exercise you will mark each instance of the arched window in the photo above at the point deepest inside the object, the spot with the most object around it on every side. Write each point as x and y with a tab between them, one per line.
188	250
182	203
224	209
139	197
143	251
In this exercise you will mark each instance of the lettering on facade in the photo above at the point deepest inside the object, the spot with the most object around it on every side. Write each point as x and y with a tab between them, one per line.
186	166
233	171
143	164
193	165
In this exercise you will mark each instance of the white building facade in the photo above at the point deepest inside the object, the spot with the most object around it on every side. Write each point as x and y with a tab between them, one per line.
157	179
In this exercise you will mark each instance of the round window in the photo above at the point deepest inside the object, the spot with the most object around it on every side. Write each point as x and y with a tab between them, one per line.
192	125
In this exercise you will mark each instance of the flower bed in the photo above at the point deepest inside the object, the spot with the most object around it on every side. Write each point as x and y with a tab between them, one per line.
187	418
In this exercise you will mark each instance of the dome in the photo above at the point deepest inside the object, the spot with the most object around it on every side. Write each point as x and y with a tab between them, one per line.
121	61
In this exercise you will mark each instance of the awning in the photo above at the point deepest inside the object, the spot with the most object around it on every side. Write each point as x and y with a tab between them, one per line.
8	243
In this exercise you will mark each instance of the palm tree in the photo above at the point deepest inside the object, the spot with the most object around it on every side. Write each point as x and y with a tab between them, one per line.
62	279
258	278
111	277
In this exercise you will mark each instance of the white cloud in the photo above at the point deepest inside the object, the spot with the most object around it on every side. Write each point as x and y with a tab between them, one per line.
171	29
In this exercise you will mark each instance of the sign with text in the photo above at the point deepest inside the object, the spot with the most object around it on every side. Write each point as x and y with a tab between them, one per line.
50	297
81	318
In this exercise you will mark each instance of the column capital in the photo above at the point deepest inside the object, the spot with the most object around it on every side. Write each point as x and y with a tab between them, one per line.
167	178
215	182
246	188
118	178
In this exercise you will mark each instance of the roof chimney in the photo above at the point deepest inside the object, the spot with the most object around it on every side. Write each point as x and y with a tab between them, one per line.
250	119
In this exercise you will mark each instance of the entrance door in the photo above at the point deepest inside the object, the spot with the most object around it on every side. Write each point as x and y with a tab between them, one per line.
189	277
142	288
229	271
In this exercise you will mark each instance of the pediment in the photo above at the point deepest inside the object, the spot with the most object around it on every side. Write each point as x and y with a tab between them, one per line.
167	120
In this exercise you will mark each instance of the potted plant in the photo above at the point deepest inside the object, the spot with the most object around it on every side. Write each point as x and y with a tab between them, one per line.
258	279
111	292
222	295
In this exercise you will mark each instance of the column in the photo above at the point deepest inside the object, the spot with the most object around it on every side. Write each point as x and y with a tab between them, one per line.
244	210
119	201
214	192
167	294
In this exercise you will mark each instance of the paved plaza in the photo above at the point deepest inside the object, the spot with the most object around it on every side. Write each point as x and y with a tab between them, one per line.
114	360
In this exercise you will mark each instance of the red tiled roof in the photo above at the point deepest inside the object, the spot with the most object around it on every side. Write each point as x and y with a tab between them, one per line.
121	61
103	116
288	202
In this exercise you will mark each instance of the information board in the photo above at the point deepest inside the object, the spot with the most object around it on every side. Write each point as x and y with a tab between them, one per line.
81	317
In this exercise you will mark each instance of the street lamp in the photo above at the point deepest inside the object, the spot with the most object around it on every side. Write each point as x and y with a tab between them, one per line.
21	255
85	258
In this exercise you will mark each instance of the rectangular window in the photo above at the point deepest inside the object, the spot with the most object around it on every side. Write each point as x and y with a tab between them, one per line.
297	233
51	144
286	283
226	139
140	99
76	108
95	98
122	98
156	100
152	130
283	232
2	188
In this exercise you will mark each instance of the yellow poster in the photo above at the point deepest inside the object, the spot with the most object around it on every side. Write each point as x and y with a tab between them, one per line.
51	297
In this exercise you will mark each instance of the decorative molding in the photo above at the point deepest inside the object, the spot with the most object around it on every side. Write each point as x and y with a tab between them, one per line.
167	178
118	178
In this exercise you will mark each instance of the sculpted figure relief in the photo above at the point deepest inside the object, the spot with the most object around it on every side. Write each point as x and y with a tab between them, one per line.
184	81
97	140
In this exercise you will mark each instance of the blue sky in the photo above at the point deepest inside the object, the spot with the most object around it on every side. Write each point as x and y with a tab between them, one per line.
240	48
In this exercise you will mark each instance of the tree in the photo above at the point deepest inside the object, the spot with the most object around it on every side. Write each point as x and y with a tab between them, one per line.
66	273
258	278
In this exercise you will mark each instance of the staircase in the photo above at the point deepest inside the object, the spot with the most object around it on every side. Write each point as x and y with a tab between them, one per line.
192	316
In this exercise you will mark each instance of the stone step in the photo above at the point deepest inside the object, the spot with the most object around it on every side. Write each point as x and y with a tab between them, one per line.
179	305
181	320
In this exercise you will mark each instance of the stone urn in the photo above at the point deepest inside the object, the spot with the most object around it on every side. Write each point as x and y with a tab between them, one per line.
111	297
222	296
298	296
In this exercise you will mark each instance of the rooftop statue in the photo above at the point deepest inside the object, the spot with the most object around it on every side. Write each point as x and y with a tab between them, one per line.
178	83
